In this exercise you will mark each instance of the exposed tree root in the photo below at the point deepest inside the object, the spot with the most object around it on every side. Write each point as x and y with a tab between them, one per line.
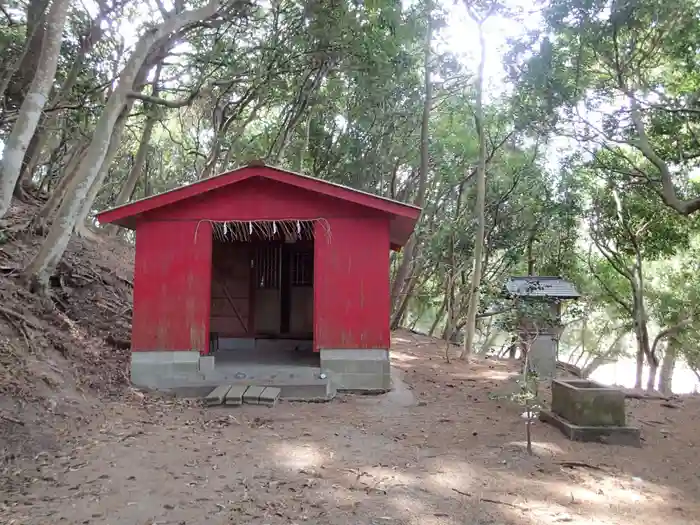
647	395
489	500
11	315
499	502
579	464
12	420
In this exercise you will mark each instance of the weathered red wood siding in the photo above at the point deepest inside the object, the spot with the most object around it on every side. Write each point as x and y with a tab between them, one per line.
351	283
172	286
172	289
261	199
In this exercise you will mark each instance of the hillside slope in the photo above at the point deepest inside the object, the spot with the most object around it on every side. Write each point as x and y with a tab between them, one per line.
59	357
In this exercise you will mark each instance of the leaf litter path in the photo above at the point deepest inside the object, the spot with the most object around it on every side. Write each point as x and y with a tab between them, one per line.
438	451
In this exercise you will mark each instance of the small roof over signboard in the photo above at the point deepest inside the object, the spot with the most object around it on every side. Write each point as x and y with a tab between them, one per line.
539	286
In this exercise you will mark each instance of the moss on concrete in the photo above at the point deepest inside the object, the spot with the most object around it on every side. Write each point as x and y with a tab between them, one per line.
587	403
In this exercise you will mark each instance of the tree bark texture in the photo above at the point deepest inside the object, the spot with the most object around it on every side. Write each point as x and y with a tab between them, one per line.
114	143
470	328
48	123
668	365
400	313
639	370
136	170
296	111
227	161
222	125
69	172
438	317
402	278
23	67
53	247
30	112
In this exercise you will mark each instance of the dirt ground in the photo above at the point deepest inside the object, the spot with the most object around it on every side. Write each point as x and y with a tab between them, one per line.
439	449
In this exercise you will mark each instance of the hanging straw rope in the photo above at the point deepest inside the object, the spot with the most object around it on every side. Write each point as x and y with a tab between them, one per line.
285	229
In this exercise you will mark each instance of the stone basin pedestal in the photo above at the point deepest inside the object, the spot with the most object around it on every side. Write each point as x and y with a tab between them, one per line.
587	411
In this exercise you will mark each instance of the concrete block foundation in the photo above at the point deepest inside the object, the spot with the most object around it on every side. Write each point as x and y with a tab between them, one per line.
358	370
350	370
161	369
207	364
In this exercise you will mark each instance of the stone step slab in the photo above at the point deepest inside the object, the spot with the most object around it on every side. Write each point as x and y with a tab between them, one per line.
217	396
234	397
269	396
252	395
238	394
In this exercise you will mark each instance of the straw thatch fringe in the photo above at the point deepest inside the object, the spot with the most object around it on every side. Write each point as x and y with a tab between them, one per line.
286	229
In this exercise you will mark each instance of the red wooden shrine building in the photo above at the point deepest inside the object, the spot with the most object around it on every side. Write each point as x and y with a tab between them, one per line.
261	258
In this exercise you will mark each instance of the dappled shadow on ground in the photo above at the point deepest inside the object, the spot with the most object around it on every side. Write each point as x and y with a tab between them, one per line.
422	359
453	456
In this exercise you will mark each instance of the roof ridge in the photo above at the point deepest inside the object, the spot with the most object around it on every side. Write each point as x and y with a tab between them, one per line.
261	164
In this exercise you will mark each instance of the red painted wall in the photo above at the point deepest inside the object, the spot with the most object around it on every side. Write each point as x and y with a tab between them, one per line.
351	284
261	199
172	286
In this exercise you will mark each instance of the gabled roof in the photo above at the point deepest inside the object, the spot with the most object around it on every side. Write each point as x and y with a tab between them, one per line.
403	216
538	286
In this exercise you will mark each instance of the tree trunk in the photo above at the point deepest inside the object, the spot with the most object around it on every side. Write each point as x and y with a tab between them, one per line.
303	151
403	273
32	155
489	337
640	369
36	14
210	162
33	104
69	173
513	348
129	185
641	328
46	124
530	254
296	111
399	315
612	350
114	144
228	158
651	379
221	128
645	346
591	367
449	319
53	247
450	307
127	189
668	366
641	347
438	317
470	327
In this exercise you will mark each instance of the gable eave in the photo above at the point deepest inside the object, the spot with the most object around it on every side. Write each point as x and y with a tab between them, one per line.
125	215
